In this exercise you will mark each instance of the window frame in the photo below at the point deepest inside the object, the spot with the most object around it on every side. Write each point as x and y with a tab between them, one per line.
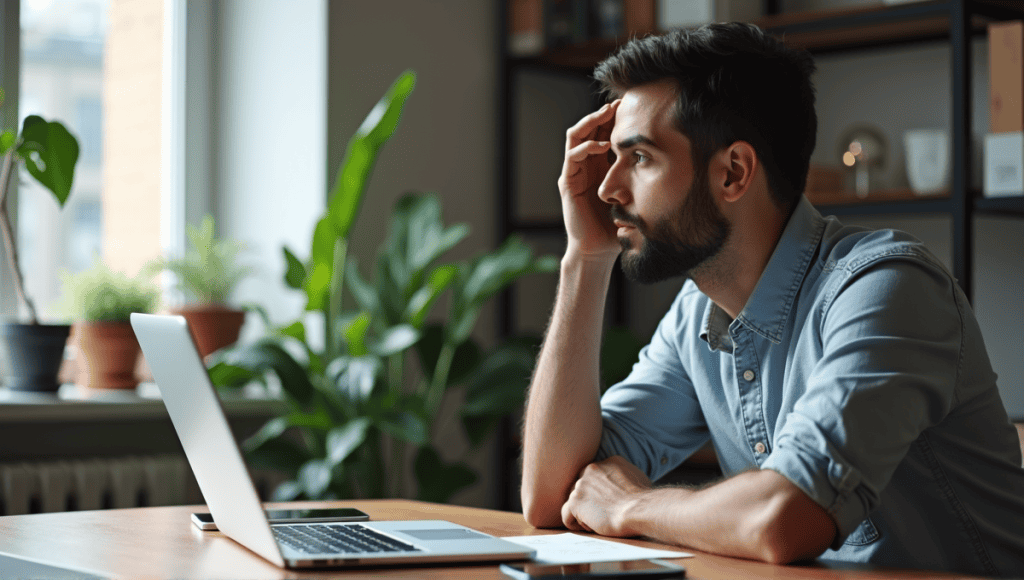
10	80
185	124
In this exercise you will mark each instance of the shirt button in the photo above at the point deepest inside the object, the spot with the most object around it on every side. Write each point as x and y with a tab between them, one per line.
759	448
748	375
664	460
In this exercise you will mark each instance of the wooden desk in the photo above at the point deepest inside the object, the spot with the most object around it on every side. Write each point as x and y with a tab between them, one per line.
161	542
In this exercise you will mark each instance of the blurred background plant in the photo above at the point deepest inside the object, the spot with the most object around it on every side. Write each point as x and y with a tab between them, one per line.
49	153
100	294
101	301
209	271
207	275
361	406
31	354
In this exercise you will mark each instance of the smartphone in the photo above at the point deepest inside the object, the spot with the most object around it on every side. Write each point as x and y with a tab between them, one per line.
204	521
639	569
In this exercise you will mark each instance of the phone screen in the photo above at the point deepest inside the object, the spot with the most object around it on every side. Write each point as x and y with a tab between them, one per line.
334	514
204	521
639	568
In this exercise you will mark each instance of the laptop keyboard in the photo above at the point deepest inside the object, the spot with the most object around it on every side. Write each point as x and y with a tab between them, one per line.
338	539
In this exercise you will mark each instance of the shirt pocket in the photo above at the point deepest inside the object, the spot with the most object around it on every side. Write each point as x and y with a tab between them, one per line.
866	533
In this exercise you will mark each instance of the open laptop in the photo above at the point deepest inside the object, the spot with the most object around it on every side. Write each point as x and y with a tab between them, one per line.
217	463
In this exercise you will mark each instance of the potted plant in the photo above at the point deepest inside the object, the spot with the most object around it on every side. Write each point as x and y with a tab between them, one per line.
31	354
207	275
356	414
102	301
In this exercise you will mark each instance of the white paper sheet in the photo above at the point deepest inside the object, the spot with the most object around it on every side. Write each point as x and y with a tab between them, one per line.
575	549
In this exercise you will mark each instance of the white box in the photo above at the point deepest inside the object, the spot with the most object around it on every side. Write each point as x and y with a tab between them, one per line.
1004	164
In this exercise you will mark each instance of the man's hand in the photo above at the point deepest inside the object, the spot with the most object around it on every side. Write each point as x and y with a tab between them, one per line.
757	514
587	218
603	496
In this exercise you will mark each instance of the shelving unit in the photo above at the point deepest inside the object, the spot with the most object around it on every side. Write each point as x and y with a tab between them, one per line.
953	22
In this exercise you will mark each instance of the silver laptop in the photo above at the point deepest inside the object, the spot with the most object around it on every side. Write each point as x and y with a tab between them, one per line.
223	478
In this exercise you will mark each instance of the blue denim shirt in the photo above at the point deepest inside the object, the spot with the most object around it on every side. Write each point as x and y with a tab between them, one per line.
858	372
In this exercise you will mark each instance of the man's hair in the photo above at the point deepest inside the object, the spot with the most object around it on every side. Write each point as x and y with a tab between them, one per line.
735	83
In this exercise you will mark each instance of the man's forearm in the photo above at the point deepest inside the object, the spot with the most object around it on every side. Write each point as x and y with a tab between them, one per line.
562	429
757	515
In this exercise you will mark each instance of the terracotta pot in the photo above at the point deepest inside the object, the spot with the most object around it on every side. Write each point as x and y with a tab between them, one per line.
31	355
213	327
107	353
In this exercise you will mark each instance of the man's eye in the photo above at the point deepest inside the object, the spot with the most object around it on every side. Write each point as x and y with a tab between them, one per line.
611	157
640	157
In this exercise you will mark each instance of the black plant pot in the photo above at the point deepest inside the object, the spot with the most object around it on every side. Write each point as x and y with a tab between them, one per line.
31	354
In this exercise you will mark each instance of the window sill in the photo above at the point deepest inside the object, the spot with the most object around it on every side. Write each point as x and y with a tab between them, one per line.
76	403
75	423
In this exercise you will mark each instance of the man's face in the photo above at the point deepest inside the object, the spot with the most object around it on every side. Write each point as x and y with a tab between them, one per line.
668	220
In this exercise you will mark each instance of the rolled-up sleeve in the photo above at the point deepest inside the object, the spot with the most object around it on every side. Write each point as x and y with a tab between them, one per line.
653	417
891	343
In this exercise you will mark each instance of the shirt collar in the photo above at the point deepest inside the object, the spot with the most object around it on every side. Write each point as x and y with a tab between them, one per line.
768	307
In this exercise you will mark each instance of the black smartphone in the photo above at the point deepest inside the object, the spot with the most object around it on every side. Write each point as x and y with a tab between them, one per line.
639	569
204	521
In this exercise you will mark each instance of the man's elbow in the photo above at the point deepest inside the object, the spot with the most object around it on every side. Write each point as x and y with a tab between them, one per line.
791	529
541	512
782	550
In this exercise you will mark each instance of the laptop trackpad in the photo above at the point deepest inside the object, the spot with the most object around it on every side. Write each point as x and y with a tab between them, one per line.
445	534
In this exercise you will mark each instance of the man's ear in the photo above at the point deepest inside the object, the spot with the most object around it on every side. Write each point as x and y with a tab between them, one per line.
733	170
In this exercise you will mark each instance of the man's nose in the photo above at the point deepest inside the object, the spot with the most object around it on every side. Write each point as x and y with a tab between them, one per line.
612	189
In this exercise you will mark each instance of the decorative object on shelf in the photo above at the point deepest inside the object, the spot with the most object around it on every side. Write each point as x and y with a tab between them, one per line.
608	19
539	26
926	152
31	354
207	275
102	301
525	27
862	148
689	13
355	415
566	22
1004	164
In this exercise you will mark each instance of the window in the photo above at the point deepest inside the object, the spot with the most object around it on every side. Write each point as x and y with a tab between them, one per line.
61	75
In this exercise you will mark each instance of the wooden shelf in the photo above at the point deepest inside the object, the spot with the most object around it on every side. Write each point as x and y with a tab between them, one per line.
835	30
881	195
886	201
819	31
576	58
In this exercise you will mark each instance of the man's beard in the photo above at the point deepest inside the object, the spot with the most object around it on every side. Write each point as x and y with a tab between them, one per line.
674	246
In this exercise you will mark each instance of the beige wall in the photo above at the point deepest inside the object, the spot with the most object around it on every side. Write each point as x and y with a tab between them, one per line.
446	139
132	133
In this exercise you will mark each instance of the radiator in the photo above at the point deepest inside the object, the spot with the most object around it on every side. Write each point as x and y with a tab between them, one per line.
91	484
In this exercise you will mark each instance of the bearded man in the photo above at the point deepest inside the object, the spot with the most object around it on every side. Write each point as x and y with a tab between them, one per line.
839	372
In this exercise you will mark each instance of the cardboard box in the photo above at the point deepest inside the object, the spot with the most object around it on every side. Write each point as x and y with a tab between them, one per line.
1006	76
1004	164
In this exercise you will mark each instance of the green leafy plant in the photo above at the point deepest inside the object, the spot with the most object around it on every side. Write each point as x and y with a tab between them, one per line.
99	294
354	407
49	152
209	271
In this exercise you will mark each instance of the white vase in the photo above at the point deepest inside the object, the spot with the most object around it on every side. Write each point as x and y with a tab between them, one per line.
927	160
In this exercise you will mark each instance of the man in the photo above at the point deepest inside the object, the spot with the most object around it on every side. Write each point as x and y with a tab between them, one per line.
839	372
